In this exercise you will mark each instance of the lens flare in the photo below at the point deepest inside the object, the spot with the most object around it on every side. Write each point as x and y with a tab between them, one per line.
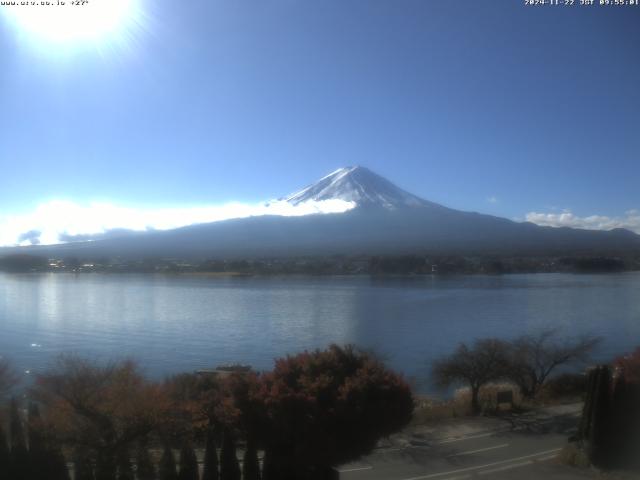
73	21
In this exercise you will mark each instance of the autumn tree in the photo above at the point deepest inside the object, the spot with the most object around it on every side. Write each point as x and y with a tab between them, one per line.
328	407
474	366
533	358
101	409
193	404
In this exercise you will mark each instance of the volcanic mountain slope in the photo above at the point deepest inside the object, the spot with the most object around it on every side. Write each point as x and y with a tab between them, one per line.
383	219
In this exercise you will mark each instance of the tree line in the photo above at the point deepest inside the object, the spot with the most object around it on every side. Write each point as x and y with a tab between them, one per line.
313	411
408	264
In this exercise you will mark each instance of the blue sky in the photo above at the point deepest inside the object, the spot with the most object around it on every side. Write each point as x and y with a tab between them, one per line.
480	105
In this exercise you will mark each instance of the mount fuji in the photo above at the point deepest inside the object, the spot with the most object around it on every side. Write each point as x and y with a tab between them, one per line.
379	218
360	186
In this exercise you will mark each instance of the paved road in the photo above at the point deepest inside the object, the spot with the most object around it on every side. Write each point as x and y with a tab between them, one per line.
523	454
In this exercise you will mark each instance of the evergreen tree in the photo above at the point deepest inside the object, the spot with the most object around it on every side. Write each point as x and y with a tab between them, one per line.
229	467
106	467
145	470
36	439
82	465
210	471
125	471
167	470
274	468
597	439
268	467
57	465
20	465
38	457
17	430
250	463
188	463
5	455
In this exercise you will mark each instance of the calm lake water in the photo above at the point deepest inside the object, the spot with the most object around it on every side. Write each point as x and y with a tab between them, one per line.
183	323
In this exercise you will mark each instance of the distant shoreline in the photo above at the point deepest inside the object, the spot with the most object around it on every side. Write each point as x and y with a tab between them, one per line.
373	265
307	275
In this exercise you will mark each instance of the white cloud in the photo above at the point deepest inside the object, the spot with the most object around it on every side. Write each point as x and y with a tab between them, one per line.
55	219
492	199
630	220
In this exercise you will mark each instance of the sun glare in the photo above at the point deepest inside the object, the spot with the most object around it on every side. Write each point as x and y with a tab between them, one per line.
67	21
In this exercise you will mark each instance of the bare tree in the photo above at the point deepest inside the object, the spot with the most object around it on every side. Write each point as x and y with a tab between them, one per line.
476	366
534	357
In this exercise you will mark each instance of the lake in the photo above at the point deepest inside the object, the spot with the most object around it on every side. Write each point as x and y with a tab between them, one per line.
183	323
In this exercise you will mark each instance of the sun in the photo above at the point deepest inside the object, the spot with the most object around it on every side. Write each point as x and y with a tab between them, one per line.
68	21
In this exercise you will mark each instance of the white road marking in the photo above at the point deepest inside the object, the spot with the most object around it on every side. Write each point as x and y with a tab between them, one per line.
516	465
544	459
478	467
461	438
355	469
504	468
469	452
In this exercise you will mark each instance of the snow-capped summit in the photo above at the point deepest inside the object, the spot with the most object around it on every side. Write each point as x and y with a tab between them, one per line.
360	186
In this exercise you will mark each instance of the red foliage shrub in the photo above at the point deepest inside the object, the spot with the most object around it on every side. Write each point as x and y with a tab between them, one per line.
329	407
629	366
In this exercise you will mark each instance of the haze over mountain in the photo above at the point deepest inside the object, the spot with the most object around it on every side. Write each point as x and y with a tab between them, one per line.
383	219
